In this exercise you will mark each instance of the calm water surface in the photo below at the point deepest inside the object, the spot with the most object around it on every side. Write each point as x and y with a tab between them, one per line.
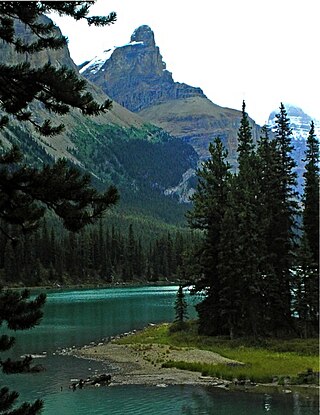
75	318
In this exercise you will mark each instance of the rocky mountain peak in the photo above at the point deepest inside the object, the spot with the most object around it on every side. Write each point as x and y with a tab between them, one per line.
143	34
135	75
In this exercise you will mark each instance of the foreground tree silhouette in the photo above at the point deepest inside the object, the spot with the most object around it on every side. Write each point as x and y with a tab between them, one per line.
55	89
26	193
20	313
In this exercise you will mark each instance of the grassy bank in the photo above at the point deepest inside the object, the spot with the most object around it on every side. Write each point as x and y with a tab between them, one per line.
290	360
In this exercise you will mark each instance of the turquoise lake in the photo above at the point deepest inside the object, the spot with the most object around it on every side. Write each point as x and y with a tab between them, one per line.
77	317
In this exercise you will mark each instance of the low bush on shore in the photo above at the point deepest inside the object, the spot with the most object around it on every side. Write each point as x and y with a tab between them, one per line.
263	360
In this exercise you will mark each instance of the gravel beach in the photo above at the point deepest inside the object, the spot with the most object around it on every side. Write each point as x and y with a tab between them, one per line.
142	364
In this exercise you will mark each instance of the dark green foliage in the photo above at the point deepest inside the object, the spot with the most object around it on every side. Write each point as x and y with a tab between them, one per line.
131	250
256	282
33	154
25	193
19	313
180	307
245	142
307	270
132	155
245	206
311	195
270	211
286	200
57	89
209	205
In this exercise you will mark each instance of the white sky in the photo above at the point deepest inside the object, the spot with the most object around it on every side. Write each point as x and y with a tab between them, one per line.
263	51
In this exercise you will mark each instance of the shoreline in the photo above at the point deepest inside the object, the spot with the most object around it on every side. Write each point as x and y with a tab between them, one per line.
142	365
89	286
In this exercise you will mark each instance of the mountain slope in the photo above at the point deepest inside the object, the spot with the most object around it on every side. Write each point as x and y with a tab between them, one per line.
118	147
136	77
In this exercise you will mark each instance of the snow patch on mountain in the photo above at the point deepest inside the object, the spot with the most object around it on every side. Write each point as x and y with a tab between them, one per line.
98	61
299	122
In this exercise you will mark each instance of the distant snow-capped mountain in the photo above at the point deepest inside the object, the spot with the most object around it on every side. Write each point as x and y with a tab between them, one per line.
300	123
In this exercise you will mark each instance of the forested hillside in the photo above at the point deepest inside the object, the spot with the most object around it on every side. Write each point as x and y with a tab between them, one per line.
133	250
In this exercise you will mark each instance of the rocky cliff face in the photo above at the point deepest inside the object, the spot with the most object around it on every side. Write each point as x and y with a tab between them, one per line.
135	76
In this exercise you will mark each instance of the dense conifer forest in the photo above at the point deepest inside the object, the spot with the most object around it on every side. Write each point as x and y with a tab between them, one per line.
104	254
258	264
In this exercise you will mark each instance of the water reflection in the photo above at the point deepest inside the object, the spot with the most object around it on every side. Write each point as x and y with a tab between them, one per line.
78	317
267	402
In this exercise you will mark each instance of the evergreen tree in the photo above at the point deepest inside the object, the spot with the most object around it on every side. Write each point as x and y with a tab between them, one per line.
311	195
209	205
247	238
180	307
270	212
245	141
10	263
20	313
56	89
230	297
25	192
307	271
306	298
130	269
287	200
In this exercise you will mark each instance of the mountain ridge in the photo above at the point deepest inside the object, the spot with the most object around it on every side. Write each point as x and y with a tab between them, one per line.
135	75
114	148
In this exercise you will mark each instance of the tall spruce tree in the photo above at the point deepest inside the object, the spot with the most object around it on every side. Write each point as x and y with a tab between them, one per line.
283	255
209	205
311	195
270	208
230	296
25	193
307	271
246	241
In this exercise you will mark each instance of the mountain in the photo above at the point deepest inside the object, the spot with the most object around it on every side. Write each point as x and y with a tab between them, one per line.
300	124
118	147
135	76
